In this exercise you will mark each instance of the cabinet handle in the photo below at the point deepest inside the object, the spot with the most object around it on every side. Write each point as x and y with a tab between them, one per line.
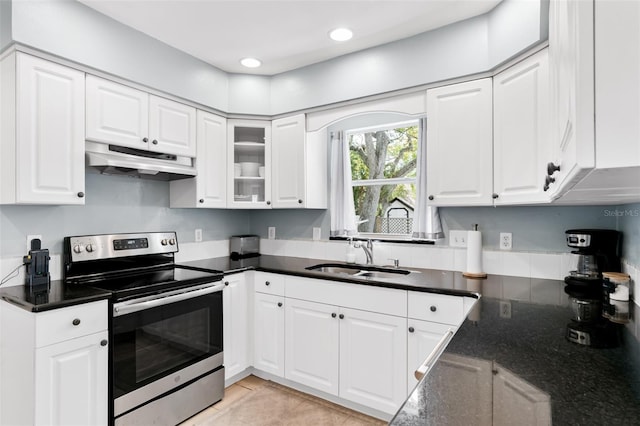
104	342
433	308
494	196
431	197
201	200
341	316
279	304
80	194
267	283
145	140
299	201
226	283
76	321
268	203
333	315
411	329
552	168
155	142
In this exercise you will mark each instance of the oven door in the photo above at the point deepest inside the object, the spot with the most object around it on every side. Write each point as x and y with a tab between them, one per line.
163	342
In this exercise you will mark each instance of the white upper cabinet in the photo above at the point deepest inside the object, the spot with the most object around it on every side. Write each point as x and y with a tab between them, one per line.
521	146
288	162
42	144
459	144
571	62
209	188
124	116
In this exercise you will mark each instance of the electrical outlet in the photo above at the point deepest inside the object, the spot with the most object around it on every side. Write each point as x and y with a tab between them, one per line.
457	238
272	232
505	241
198	235
316	234
32	237
505	309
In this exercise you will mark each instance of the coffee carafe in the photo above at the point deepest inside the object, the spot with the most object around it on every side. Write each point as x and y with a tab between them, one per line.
598	251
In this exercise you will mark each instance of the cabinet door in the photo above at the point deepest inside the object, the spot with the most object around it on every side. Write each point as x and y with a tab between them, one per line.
521	145
209	188
422	339
236	325
116	114
459	144
269	334
172	127
373	359
515	401
288	162
311	344
571	64
50	133
71	382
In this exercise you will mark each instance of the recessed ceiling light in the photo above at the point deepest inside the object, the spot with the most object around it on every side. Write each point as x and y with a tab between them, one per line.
250	62
341	34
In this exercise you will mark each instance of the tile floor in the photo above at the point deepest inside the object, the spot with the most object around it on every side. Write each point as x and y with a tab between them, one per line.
253	401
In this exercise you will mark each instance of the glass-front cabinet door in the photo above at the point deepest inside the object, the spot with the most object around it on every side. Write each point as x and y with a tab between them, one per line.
250	164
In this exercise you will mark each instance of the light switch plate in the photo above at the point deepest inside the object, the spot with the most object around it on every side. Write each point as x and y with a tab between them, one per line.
272	232
317	234
198	235
457	238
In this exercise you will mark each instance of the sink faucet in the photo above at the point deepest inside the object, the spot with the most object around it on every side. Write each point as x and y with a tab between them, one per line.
368	250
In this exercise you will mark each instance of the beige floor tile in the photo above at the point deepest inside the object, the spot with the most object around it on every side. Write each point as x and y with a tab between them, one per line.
201	418
252	382
264	406
359	420
311	413
231	394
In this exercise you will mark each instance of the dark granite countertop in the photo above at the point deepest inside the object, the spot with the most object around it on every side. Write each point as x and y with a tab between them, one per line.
57	295
427	280
578	385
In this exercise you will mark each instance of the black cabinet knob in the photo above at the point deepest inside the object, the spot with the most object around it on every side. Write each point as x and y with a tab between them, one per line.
411	329
226	283
494	196
80	194
145	140
201	200
155	142
76	321
431	197
433	308
333	315
267	283
268	203
552	168
548	179
341	316
279	304
104	342
299	201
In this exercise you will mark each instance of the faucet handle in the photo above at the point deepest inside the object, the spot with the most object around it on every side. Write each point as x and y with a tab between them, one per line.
396	262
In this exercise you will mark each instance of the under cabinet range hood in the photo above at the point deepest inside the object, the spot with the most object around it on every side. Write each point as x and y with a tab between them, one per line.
118	160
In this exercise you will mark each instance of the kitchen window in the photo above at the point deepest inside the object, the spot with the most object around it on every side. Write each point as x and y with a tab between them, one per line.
383	177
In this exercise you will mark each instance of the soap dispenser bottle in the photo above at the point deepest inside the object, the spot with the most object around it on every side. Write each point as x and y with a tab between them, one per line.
351	251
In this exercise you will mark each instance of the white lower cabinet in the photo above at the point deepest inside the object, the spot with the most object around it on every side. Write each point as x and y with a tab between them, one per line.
268	330
55	365
373	359
423	337
235	305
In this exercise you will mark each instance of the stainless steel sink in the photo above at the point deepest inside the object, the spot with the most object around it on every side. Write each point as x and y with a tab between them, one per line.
361	271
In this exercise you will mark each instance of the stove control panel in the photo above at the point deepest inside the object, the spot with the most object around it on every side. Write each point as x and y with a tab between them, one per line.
108	246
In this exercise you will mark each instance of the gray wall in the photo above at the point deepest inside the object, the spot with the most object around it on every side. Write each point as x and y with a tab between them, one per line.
5	24
114	204
629	223
76	32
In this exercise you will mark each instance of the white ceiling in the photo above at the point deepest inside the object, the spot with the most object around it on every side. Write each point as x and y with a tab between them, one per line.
285	34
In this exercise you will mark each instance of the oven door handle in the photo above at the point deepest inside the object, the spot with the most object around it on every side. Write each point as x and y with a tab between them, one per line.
133	306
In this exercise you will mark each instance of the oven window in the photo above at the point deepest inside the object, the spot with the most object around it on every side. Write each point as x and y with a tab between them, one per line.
154	343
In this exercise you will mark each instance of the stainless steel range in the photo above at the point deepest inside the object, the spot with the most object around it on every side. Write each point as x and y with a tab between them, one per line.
166	354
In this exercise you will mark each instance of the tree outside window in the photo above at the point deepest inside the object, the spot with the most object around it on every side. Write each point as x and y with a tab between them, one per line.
383	168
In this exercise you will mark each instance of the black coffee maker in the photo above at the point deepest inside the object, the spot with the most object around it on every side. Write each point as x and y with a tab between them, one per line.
598	251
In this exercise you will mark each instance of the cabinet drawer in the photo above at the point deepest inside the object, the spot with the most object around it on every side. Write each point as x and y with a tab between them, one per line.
436	307
63	324
269	283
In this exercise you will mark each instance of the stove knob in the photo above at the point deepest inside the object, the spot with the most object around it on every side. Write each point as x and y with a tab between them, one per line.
164	242
77	248
89	248
172	242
